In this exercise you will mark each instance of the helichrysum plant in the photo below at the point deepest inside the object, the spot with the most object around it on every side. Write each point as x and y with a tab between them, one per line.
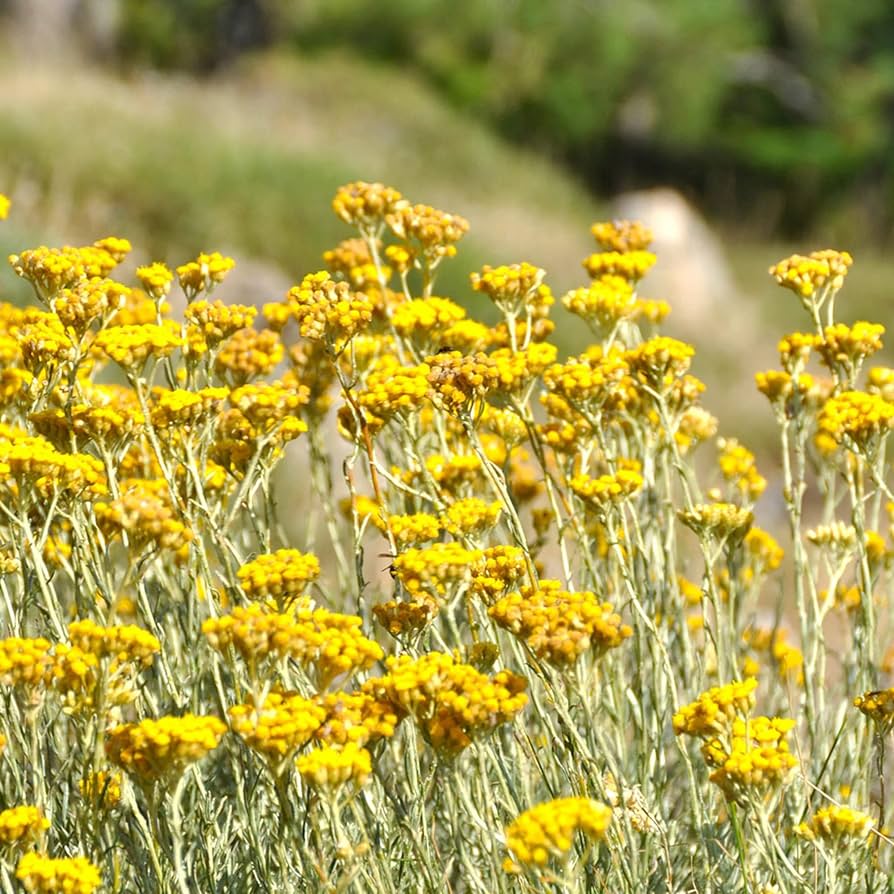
525	635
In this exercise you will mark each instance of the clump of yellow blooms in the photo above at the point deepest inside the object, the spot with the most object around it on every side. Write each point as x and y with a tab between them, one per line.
559	626
331	767
329	311
818	271
25	662
282	576
609	488
837	827
22	825
471	517
878	706
204	273
717	520
101	789
714	711
547	832
419	527
738	467
161	749
452	703
278	727
433	569
856	420
132	346
39	874
457	381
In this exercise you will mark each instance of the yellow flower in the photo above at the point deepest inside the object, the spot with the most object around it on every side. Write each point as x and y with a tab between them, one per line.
365	204
514	289
132	346
713	711
40	874
331	767
356	717
622	235
458	381
156	279
471	517
818	271
329	311
202	274
837	826
4	206
629	265
22	825
161	749
282	576
101	789
717	520
878	706
547	831
436	568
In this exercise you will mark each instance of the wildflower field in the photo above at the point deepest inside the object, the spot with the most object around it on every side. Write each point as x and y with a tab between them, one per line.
532	639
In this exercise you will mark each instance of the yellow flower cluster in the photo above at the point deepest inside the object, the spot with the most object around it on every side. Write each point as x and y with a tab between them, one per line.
331	767
161	749
659	361
622	235
628	265
33	464
88	301
40	874
202	274
762	551
471	517
427	321
516	370
547	831
183	408
327	643
393	390
452	703
588	381
757	758
247	354
607	488
155	279
282	724
357	717
435	569
419	527
22	824
806	275
878	706
854	419
837	826
717	520
365	204
144	513
216	321
51	269
281	576
132	346
559	626
406	618
738	467
513	288
713	712
25	662
844	346
605	302
329	311
426	231
458	380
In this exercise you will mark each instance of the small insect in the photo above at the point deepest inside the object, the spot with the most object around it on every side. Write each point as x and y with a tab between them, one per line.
390	567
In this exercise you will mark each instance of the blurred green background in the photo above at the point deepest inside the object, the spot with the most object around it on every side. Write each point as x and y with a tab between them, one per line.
741	130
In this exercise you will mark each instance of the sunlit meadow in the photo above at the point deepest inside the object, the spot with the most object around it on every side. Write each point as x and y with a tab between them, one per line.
574	663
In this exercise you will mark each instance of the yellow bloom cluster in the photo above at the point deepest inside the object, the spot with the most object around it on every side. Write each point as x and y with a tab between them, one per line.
406	618
365	204
547	831
25	662
762	551
559	626
806	275
607	488
22	824
281	576
629	265
452	703
40	874
457	381
713	712
426	321
144	513
352	259
392	389
435	569
513	288
247	354
622	235
516	370
856	420
605	302
180	407
837	826
214	321
427	231
719	520
588	381
419	527
156	279
33	463
659	361
132	346
161	749
202	274
331	767
756	760
878	706
848	346
51	269
738	467
327	643
88	301
329	311
471	517
282	724
356	717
